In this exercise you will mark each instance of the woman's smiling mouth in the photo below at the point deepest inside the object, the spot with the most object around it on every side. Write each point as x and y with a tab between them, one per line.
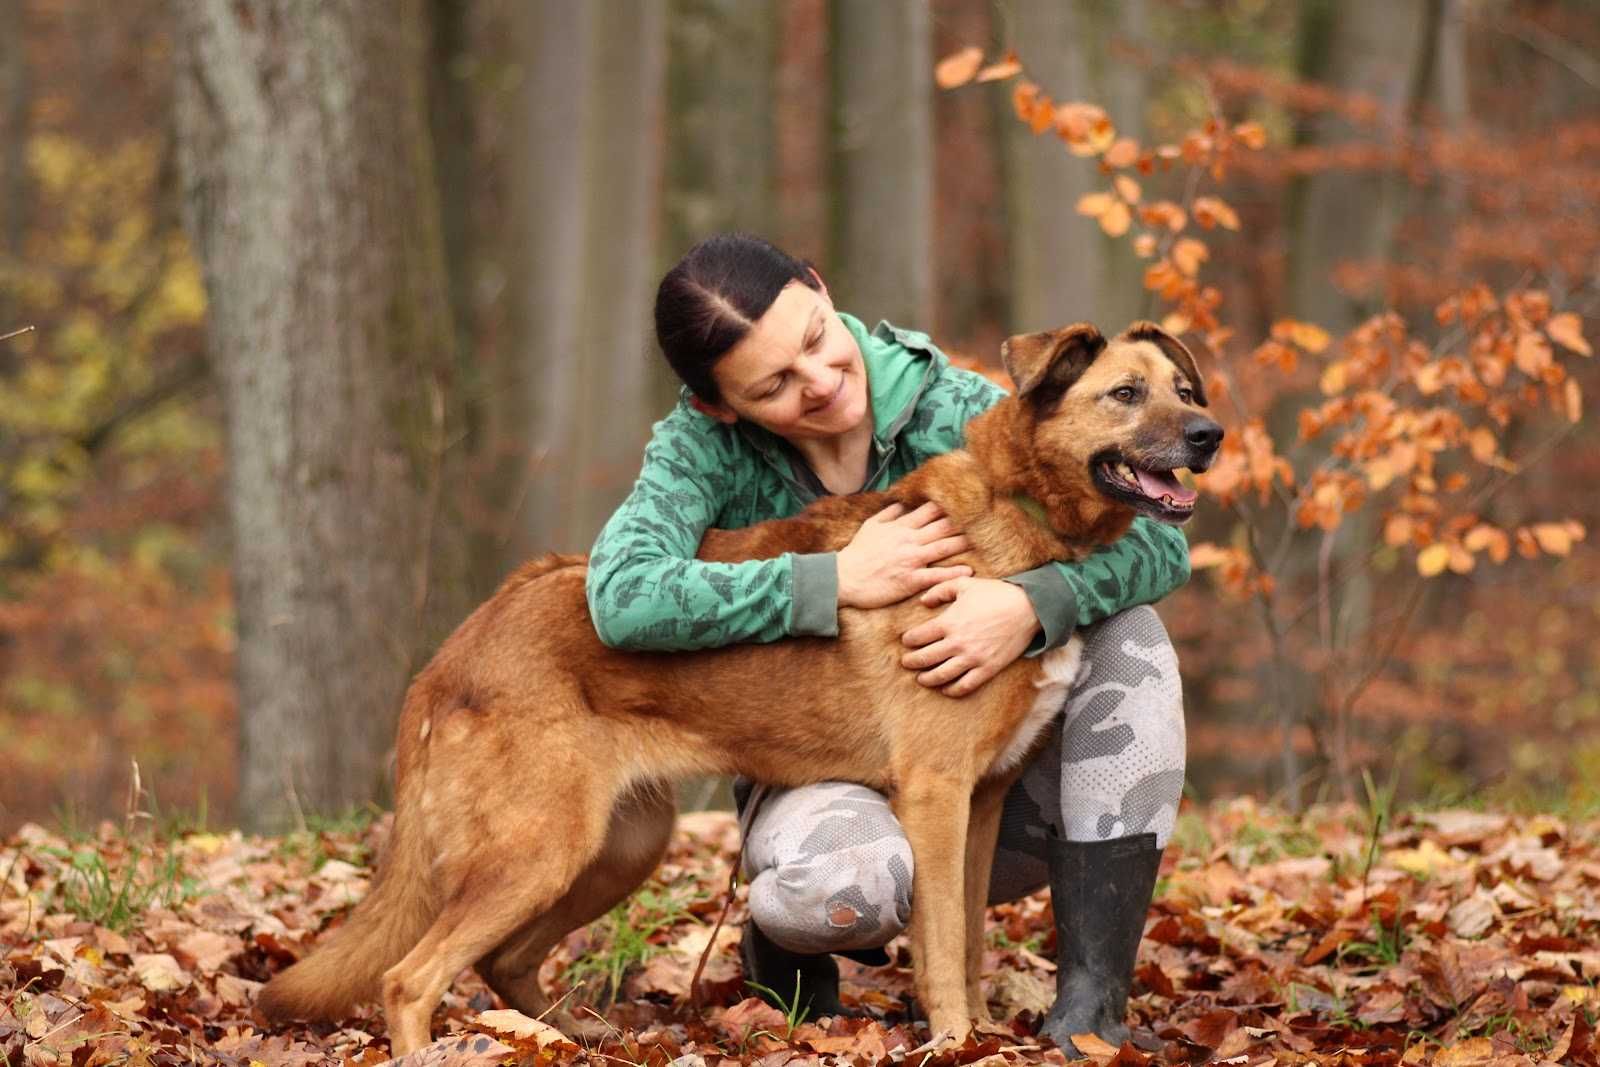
838	391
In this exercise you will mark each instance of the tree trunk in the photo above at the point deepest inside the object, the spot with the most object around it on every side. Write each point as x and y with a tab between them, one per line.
1381	50
309	194
881	255
1063	268
585	202
719	167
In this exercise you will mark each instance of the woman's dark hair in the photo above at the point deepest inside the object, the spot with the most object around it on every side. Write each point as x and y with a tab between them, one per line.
710	300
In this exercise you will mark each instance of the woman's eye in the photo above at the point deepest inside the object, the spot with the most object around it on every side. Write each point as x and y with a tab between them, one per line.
777	386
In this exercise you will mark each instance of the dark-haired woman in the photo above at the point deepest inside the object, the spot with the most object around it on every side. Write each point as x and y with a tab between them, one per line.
786	399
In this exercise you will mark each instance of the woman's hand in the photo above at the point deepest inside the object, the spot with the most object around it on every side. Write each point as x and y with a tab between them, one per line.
988	624
891	556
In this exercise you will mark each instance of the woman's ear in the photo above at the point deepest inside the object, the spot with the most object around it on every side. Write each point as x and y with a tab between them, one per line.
721	412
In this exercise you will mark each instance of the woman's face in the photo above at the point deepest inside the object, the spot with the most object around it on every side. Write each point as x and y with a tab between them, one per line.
797	373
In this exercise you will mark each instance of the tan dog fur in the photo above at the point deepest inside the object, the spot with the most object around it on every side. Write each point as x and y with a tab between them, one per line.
533	761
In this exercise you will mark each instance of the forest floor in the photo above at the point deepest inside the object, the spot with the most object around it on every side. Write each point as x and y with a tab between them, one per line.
1450	937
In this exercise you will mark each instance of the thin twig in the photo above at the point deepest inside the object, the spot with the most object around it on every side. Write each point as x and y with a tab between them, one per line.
15	333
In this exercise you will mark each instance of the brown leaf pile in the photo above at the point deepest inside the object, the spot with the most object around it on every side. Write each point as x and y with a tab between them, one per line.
1457	938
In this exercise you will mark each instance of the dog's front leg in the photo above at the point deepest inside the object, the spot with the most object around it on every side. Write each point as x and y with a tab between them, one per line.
933	809
983	831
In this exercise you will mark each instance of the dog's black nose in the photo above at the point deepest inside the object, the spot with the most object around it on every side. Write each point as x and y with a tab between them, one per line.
1203	433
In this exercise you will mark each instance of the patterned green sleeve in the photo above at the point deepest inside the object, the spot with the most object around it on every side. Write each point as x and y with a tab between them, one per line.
1140	567
1144	565
645	588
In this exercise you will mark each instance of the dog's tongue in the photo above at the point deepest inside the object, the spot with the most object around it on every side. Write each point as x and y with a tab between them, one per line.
1157	484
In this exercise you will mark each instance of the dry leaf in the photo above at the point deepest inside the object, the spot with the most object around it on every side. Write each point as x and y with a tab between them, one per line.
1005	67
1566	329
957	69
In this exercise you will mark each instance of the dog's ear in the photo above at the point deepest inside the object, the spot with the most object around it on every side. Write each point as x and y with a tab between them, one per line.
1174	350
1044	365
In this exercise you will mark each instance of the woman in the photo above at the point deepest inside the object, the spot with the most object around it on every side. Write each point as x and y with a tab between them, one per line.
786	399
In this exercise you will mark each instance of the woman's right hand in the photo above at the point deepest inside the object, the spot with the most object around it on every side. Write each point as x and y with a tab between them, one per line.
891	556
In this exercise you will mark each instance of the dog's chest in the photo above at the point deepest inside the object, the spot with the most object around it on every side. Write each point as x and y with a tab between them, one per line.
1060	671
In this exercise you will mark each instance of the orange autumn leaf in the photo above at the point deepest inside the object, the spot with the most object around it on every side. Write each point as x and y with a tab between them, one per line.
1123	153
958	69
1251	134
1573	398
1095	204
1188	254
1000	70
1212	211
1397	530
1127	188
1483	444
1307	335
1432	560
1554	537
1533	353
1566	329
1334	378
1116	219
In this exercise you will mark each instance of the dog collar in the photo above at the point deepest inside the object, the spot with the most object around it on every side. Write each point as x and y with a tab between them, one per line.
1034	509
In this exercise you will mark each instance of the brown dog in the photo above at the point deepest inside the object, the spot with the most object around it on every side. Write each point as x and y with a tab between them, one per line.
534	761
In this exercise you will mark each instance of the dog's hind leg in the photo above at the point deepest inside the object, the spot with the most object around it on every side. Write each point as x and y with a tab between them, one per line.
517	875
933	808
640	828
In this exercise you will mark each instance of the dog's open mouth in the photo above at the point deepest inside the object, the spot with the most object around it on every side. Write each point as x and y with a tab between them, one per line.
1157	491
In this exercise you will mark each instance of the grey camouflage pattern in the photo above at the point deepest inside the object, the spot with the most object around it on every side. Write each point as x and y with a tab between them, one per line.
829	868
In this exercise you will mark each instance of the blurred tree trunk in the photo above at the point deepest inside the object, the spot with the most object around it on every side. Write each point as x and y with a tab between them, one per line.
1382	51
309	194
719	168
1387	53
720	165
1063	268
584	198
881	254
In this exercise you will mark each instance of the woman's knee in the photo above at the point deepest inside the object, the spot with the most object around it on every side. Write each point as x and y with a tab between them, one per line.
829	871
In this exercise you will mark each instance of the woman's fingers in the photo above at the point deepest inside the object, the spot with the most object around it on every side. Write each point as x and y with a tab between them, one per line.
948	589
923	515
969	682
945	673
928	656
889	514
945	547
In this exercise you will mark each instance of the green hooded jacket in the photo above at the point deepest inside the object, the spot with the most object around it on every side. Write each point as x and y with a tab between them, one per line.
646	590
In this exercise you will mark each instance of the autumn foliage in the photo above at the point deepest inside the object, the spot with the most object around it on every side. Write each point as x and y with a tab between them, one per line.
1340	451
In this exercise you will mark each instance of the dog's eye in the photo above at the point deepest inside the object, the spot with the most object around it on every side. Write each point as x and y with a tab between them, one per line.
1125	393
1185	395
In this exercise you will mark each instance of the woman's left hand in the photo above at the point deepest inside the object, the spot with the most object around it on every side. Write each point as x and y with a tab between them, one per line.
988	624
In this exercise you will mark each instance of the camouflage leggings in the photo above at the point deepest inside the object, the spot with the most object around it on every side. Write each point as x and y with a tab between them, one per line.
829	868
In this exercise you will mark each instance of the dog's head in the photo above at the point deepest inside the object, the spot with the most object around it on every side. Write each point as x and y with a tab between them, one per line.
1123	414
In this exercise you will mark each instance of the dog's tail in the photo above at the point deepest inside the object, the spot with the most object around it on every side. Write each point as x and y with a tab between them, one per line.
385	925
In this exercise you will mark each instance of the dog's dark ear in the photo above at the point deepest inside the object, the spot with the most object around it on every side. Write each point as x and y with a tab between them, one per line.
1044	365
1174	350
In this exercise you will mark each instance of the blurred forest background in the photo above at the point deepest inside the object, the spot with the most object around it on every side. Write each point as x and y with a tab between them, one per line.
342	310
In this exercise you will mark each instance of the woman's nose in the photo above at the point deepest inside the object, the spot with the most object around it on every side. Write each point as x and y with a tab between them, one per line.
814	377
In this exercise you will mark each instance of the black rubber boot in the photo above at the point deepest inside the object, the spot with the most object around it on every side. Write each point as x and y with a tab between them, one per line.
1100	891
777	969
